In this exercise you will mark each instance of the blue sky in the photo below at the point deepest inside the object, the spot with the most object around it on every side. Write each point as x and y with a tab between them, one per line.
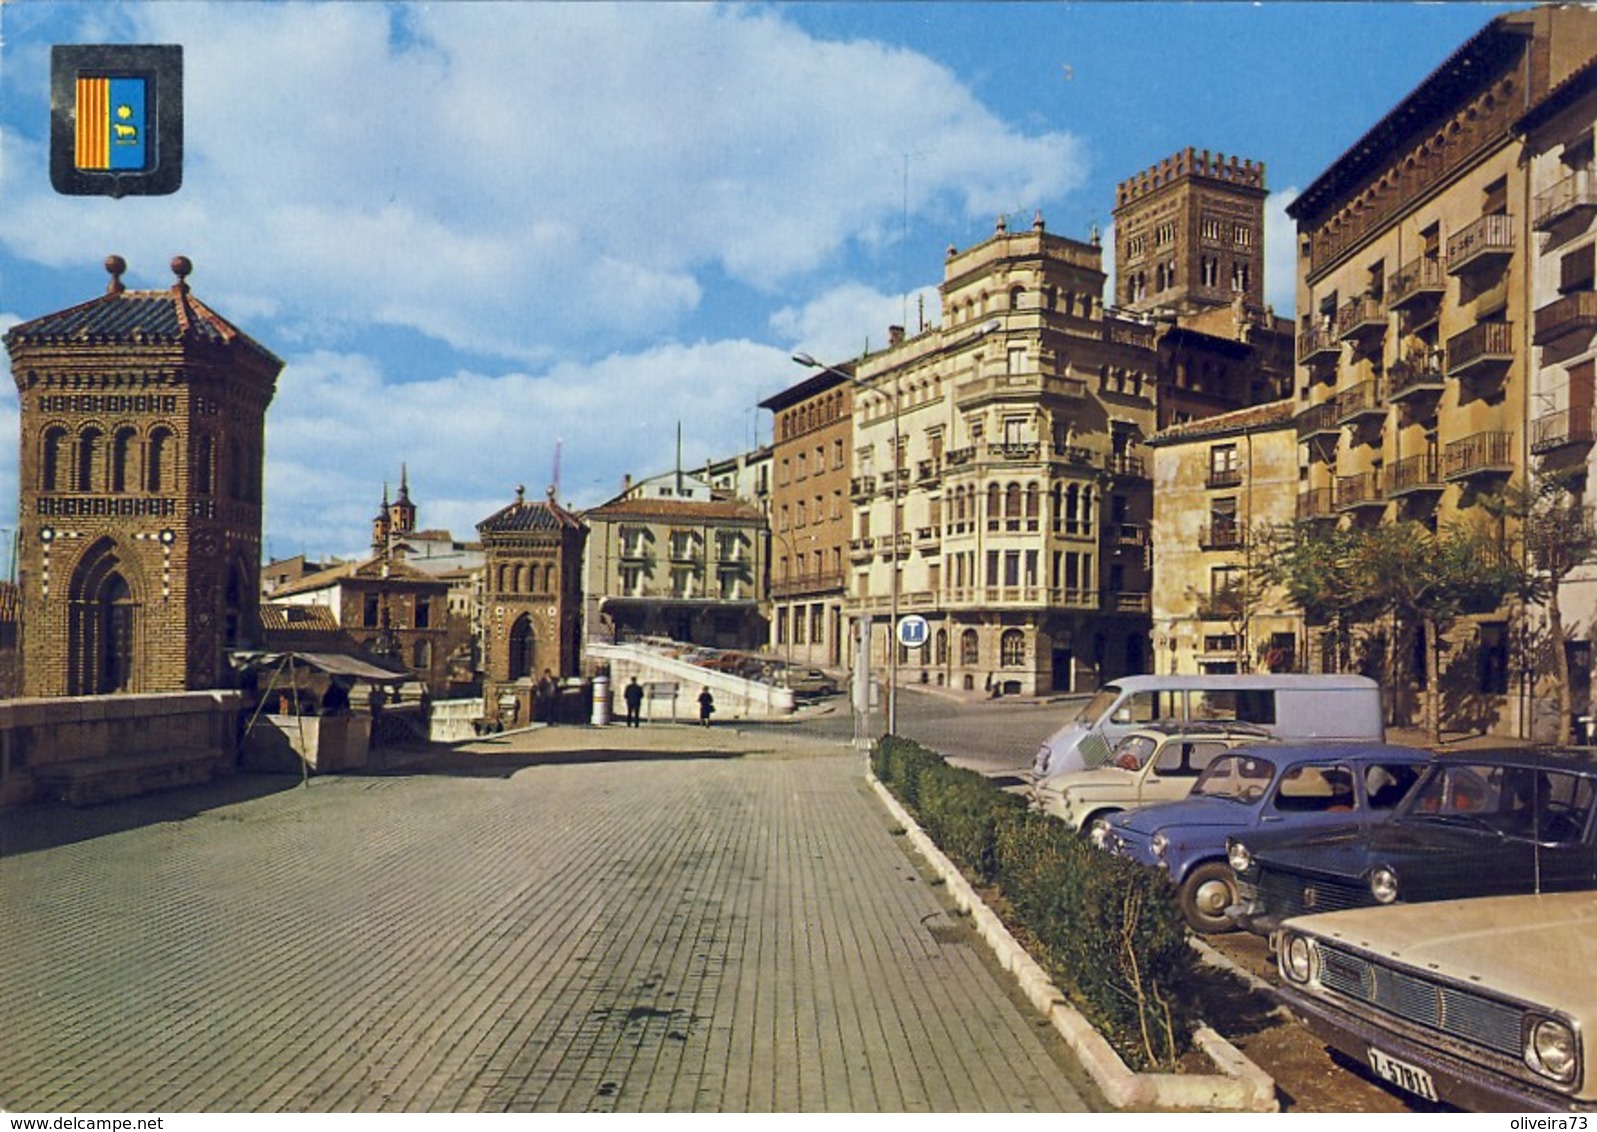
477	232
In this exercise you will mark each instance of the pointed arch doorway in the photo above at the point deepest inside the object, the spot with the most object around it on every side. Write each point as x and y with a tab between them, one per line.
103	624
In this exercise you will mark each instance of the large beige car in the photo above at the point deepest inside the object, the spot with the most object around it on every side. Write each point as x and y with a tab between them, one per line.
1483	1004
1158	762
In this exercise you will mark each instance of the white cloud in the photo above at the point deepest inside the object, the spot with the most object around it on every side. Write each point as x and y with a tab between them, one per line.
470	438
842	323
511	178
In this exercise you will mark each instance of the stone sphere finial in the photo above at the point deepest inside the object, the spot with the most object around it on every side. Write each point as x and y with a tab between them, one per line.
116	265
181	266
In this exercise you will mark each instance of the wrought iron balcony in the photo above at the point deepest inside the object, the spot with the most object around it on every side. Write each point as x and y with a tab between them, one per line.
1417	281
1413	474
1574	313
1575	195
1415	378
1485	243
1073	454
862	487
1361	489
1026	451
1563	429
1120	464
1361	319
1482	454
1223	477
1318	344
1486	346
1318	420
1360	401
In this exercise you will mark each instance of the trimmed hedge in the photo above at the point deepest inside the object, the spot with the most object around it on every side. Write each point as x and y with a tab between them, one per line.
1107	930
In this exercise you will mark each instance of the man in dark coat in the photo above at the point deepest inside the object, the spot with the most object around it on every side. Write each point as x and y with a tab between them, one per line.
633	694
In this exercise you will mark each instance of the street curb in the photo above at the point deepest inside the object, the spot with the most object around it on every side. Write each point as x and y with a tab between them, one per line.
1240	1086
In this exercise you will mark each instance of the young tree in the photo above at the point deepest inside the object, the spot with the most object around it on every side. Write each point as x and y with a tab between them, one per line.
1559	535
1319	570
1429	578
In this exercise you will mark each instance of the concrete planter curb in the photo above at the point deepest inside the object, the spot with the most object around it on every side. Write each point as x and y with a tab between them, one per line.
1239	1086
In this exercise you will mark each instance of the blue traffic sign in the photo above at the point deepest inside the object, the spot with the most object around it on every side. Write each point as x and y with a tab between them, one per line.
913	631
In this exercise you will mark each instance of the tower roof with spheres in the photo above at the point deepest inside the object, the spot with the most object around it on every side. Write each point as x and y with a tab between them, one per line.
120	317
539	515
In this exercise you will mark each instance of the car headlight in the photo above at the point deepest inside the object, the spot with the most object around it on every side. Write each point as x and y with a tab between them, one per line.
1297	958
1383	885
1238	857
1040	763
1552	1049
1158	845
1098	834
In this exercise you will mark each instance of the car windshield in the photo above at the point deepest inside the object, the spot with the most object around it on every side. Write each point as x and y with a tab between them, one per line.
1523	802
1102	700
1239	777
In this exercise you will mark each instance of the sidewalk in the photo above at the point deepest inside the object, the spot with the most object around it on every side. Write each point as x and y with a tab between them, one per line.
667	918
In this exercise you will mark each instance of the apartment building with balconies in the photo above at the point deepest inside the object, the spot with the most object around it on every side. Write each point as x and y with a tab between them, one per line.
1219	482
1558	133
671	557
1416	309
811	513
1014	506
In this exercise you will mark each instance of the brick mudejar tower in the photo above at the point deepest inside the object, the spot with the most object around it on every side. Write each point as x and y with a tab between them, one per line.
143	431
532	598
1189	234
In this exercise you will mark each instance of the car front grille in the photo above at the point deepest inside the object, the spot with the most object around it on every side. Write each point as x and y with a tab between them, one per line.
1286	894
1413	998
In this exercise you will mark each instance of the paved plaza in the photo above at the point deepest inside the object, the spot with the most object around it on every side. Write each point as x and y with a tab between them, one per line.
571	919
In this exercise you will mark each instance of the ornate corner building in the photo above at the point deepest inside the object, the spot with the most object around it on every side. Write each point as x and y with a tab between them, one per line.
143	420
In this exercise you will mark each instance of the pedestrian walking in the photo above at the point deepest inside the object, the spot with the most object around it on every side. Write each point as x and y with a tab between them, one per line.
706	707
633	694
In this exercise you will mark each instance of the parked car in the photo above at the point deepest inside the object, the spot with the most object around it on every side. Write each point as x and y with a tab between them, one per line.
804	681
1157	763
1485	1004
1291	707
1301	785
1480	823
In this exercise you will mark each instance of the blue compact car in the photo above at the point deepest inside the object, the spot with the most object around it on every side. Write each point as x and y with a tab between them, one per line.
1293	786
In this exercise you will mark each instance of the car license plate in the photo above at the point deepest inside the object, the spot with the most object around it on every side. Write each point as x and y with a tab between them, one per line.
1402	1074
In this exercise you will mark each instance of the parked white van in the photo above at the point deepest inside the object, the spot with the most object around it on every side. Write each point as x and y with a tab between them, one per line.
1294	707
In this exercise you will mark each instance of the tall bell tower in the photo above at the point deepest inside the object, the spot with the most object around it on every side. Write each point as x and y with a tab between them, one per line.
143	420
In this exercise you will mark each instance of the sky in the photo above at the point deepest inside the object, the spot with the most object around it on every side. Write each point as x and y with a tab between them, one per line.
496	244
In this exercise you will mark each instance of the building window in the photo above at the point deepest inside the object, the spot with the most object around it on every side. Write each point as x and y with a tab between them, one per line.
51	462
1012	649
88	458
969	648
369	611
424	613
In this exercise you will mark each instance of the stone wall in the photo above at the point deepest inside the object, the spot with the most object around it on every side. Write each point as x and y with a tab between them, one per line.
93	748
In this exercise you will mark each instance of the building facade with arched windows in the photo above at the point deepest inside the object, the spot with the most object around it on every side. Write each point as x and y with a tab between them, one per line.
532	596
143	420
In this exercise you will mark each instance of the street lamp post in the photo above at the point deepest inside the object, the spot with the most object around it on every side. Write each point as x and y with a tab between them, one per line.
892	617
809	362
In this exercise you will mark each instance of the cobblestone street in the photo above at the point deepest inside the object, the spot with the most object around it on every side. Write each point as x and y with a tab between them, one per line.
672	922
